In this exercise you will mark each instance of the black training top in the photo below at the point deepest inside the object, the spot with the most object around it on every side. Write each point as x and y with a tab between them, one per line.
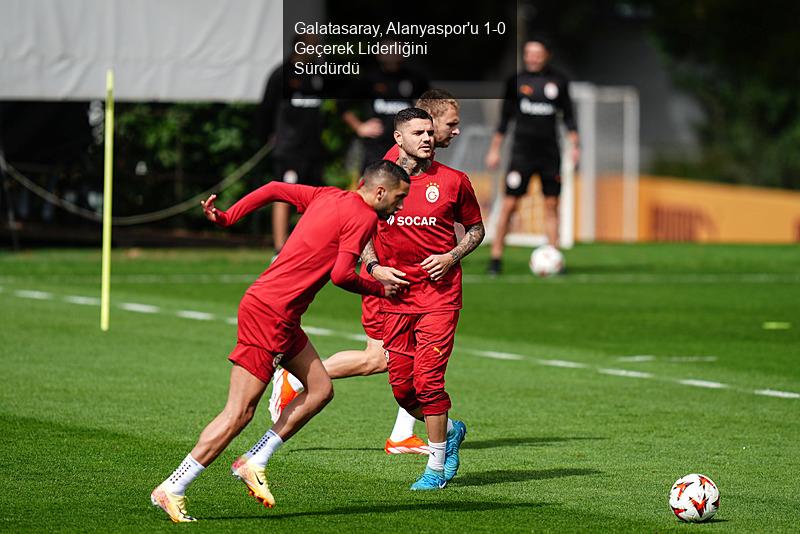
291	109
534	99
391	92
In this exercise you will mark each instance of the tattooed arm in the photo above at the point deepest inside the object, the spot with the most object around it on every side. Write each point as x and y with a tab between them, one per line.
368	254
472	238
379	272
437	265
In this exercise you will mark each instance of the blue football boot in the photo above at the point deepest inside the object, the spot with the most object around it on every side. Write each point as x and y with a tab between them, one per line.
430	480
454	440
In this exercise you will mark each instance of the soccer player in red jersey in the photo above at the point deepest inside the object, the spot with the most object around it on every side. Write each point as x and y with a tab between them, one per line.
444	109
324	246
419	323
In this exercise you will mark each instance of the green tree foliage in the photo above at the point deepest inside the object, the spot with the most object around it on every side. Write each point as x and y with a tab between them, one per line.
739	59
167	153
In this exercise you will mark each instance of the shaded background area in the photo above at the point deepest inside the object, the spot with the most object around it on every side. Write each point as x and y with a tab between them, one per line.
715	81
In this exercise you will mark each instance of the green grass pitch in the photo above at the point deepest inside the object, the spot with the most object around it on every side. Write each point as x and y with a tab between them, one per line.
574	390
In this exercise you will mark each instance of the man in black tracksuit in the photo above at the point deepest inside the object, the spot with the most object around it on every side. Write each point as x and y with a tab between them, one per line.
534	99
291	113
391	87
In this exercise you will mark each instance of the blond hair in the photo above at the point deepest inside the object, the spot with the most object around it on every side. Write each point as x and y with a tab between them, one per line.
437	102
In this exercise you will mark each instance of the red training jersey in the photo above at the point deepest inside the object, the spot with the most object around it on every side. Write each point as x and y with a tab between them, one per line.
334	223
437	199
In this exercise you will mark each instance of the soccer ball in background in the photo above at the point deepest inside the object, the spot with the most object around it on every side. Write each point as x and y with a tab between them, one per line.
546	260
694	498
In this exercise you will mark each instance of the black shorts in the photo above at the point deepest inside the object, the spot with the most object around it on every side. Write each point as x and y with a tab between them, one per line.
545	163
299	170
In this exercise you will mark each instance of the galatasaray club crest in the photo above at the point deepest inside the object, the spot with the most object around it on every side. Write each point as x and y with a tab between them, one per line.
432	193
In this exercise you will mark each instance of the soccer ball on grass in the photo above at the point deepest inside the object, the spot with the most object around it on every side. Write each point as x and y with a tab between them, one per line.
546	261
694	498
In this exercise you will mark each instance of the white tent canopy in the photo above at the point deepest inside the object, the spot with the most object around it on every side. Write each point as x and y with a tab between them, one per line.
168	50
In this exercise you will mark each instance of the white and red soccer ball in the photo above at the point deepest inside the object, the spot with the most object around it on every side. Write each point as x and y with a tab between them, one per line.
546	260
694	498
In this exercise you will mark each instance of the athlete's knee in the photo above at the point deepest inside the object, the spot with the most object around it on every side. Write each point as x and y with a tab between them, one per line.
438	406
374	362
405	395
237	417
321	394
510	205
428	393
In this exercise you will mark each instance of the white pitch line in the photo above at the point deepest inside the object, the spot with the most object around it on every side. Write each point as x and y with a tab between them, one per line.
637	358
190	314
778	394
353	337
702	383
139	308
315	331
625	373
563	363
184	279
36	295
196	315
498	355
85	301
691	359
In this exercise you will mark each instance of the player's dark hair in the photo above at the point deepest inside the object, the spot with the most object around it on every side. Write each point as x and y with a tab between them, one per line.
385	171
408	114
437	101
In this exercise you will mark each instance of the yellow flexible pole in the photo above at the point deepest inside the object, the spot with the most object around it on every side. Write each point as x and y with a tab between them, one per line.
108	174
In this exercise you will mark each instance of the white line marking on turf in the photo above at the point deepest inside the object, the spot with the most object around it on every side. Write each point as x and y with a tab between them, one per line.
702	383
36	295
85	301
637	358
147	308
497	355
354	337
563	363
778	394
691	359
196	315
315	331
625	373
139	308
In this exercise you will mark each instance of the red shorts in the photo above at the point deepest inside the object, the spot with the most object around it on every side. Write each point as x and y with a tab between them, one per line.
264	340
419	347
372	316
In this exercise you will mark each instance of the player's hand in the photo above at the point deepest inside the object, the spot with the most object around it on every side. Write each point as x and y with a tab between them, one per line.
390	289
208	208
437	265
492	159
371	128
389	274
576	155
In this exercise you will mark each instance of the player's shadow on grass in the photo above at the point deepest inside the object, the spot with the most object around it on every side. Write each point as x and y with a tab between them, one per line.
521	441
386	508
504	476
